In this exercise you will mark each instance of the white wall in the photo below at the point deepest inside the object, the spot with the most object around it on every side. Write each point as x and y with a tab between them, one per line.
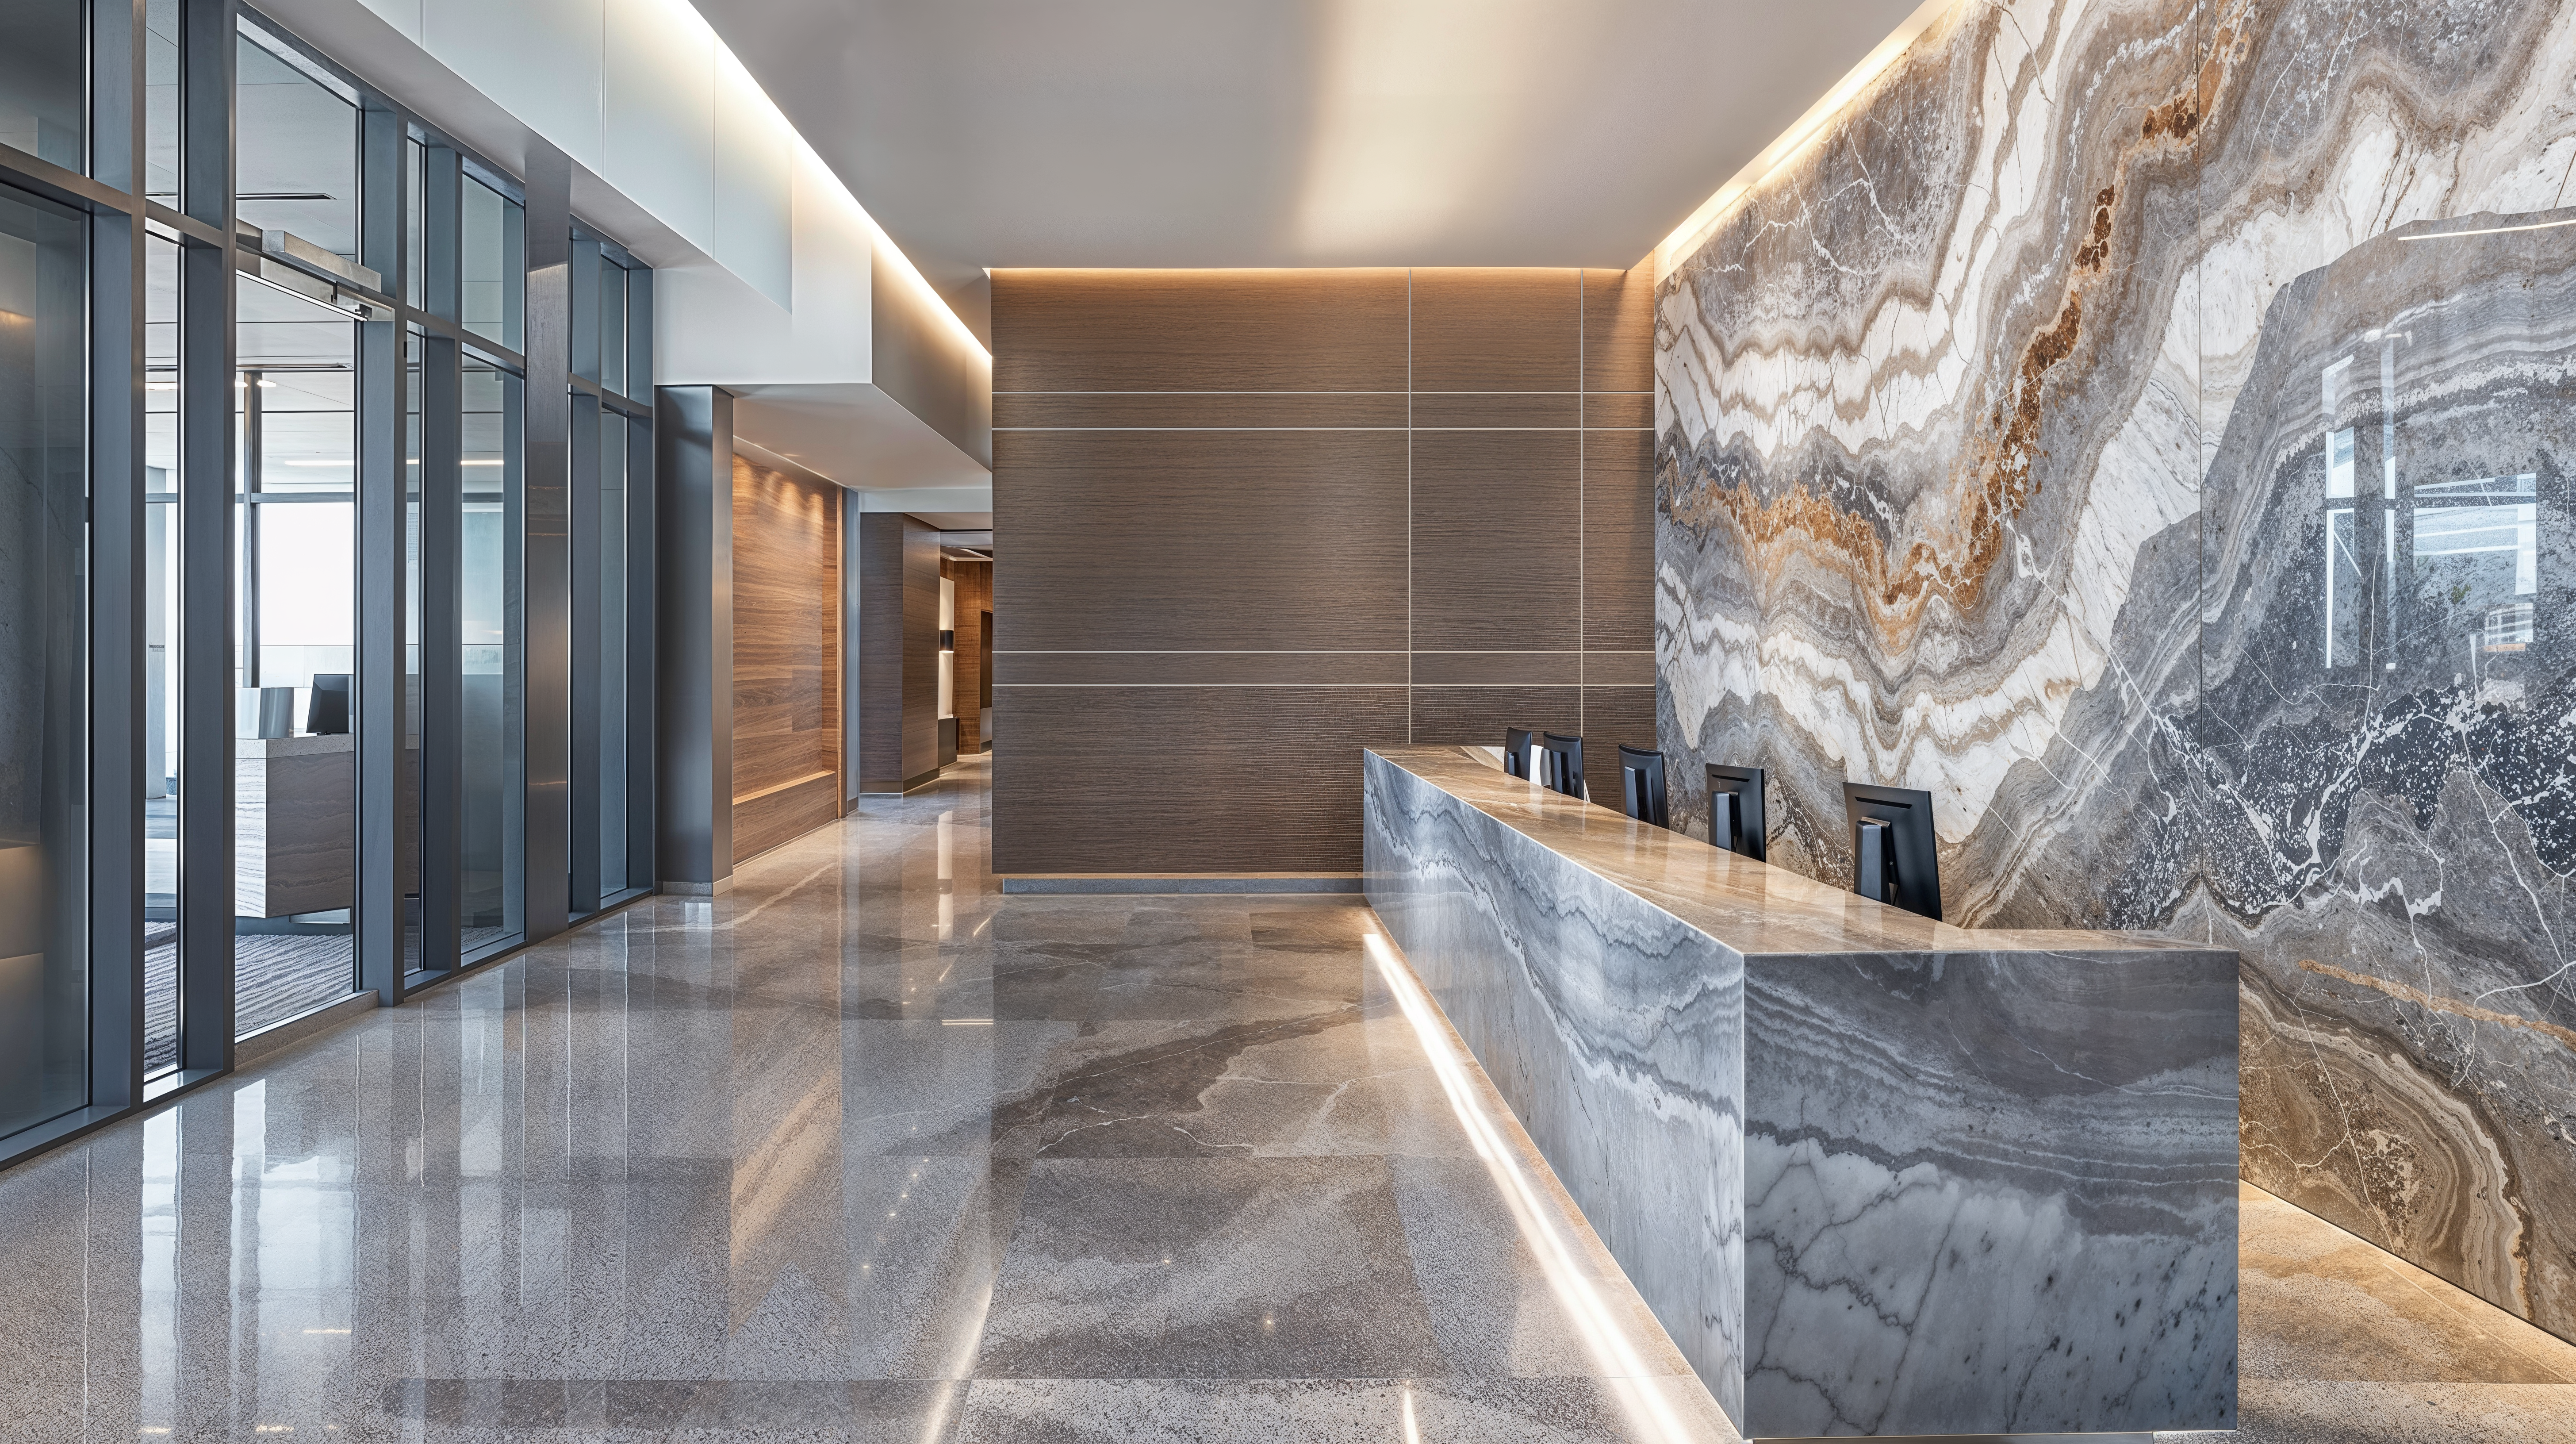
770	275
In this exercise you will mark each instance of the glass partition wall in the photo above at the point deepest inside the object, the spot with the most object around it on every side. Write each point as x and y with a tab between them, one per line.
265	672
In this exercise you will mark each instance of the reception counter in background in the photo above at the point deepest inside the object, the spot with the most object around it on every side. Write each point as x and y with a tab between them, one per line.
295	843
1876	1174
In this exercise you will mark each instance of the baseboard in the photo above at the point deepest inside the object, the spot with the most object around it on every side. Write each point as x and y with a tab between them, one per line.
270	1041
1235	883
717	888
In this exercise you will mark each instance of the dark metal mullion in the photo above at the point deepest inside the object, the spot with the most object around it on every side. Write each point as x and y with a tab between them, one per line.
641	777
116	561
253	455
203	540
582	793
442	683
442	448
382	522
545	574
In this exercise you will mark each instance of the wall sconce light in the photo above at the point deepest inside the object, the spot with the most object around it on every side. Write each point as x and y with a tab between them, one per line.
947	641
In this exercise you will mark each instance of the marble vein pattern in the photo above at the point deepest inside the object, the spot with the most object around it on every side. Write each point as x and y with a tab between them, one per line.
2145	425
861	1150
1877	1174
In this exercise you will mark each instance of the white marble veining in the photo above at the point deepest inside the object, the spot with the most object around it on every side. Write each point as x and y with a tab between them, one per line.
1876	1174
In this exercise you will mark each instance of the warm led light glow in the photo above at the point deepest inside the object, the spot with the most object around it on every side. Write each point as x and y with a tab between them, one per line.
1421	104
1688	236
1650	1414
965	1022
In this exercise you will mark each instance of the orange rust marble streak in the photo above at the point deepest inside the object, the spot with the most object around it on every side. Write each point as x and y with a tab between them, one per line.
2146	424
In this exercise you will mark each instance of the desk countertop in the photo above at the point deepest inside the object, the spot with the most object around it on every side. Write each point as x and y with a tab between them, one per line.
1751	907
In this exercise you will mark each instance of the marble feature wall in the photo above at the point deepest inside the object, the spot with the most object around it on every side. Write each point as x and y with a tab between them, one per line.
2146	424
1875	1176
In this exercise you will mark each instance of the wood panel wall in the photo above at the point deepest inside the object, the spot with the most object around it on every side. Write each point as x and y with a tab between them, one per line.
898	652
974	598
786	657
1259	520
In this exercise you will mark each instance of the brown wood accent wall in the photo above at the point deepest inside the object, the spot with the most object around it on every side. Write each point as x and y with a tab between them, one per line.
974	598
898	652
786	657
1258	520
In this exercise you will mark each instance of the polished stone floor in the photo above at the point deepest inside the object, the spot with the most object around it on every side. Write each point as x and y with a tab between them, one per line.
865	1151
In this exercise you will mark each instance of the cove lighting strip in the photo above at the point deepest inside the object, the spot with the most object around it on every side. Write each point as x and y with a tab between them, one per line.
1689	236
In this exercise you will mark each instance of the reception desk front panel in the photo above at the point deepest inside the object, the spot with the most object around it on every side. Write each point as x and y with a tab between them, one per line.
1877	1175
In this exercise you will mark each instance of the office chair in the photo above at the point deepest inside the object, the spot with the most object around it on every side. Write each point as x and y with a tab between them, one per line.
1561	763
1641	785
1516	748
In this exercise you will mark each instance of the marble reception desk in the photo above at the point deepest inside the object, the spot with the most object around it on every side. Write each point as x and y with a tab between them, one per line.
1877	1175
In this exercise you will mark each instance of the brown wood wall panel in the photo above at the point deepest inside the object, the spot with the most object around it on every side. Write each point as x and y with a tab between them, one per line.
1199	331
1055	411
1200	669
1197	601
1497	669
786	649
1619	328
1612	715
1630	409
1476	716
763	822
1618	540
1185	779
1477	329
898	651
1512	410
1495	541
1200	540
974	598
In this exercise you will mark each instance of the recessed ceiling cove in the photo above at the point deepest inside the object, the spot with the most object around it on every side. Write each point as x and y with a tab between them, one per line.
996	133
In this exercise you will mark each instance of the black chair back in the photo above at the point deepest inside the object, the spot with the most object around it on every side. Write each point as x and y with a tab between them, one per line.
1516	748
1641	785
1735	820
1561	763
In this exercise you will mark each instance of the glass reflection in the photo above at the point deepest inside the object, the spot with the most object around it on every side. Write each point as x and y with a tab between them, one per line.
44	826
492	288
160	657
42	58
488	596
297	154
295	629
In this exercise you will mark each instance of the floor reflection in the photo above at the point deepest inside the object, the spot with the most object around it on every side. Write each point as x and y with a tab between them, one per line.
865	1151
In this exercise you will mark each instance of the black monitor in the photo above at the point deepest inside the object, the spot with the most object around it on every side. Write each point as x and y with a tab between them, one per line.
1894	857
328	713
1735	811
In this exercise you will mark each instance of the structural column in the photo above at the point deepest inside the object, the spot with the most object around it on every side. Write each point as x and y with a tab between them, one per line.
693	711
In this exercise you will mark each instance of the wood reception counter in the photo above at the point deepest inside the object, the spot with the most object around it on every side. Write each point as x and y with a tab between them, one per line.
1876	1174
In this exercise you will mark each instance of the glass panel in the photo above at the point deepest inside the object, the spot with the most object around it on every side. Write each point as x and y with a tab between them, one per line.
612	653
44	876
495	266
407	820
160	656
612	326
161	100
297	153
295	625
488	590
42	60
415	220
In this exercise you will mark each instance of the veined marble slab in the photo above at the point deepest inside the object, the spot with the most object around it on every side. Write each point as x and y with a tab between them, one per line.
1877	1175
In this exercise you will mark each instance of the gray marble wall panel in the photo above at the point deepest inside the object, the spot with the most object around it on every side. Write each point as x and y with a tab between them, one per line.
2145	424
1928	1181
1614	1030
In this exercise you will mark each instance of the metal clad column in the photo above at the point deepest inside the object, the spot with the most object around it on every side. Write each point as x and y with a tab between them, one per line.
693	718
547	725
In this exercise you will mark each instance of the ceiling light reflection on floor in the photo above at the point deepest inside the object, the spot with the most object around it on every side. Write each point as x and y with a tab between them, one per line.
1621	1364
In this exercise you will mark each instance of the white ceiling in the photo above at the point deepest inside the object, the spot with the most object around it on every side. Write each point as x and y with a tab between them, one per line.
996	133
